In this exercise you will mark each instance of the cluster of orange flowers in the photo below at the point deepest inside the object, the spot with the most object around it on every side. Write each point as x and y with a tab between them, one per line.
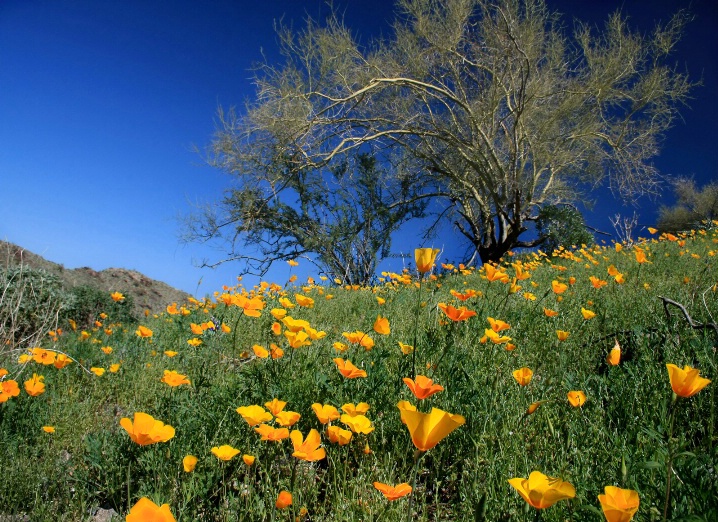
426	428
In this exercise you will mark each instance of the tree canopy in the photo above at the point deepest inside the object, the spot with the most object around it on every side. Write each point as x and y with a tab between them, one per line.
491	108
695	208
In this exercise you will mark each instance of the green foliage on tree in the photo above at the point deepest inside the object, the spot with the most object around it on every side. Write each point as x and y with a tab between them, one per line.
562	226
341	216
694	208
495	109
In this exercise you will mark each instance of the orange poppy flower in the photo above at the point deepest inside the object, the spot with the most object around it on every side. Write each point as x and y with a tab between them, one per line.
339	435
686	382
381	325
393	492
577	398
303	300
42	356
307	449
557	287
225	452
146	430
597	283
497	325
550	313
269	433
287	418
495	274
143	331
189	463
275	406
422	387
284	500
8	389
587	314
425	258
562	335
173	379
619	505
325	413
468	294
615	356
428	429
254	414
456	314
541	491
357	423
523	376
34	386
145	510
348	370
355	409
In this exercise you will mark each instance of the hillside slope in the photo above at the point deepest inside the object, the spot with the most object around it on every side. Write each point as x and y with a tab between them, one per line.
146	292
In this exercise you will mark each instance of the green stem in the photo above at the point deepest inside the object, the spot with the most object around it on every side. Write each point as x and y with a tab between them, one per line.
669	470
417	457
416	330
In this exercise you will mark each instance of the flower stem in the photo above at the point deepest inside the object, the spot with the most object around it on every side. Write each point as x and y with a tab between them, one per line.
417	457
669	467
416	329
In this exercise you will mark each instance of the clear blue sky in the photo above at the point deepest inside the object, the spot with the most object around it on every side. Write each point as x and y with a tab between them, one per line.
103	102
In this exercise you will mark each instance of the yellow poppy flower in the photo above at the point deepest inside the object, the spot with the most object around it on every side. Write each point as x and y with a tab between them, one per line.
381	325
189	463
254	414
34	386
173	379
145	510
339	435
270	433
577	398
325	413
587	314
523	376
143	331
428	429
686	382
425	258
541	491
225	452
146	430
614	357
307	449
562	335
619	505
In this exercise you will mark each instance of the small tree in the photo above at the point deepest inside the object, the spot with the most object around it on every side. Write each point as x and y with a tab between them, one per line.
491	100
341	217
562	227
694	209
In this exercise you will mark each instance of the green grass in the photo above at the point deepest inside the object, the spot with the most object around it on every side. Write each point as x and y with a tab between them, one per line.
619	437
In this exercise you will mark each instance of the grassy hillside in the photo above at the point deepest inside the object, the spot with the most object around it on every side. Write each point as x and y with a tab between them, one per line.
147	293
560	316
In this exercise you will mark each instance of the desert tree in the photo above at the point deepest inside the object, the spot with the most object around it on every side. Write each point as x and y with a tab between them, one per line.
341	217
694	208
494	104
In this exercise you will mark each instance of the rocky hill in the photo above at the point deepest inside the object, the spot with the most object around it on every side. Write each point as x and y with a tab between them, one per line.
147	293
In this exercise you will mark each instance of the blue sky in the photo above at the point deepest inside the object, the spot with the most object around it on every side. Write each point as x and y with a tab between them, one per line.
103	102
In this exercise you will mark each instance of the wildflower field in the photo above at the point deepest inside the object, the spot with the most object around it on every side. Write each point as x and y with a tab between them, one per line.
565	386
